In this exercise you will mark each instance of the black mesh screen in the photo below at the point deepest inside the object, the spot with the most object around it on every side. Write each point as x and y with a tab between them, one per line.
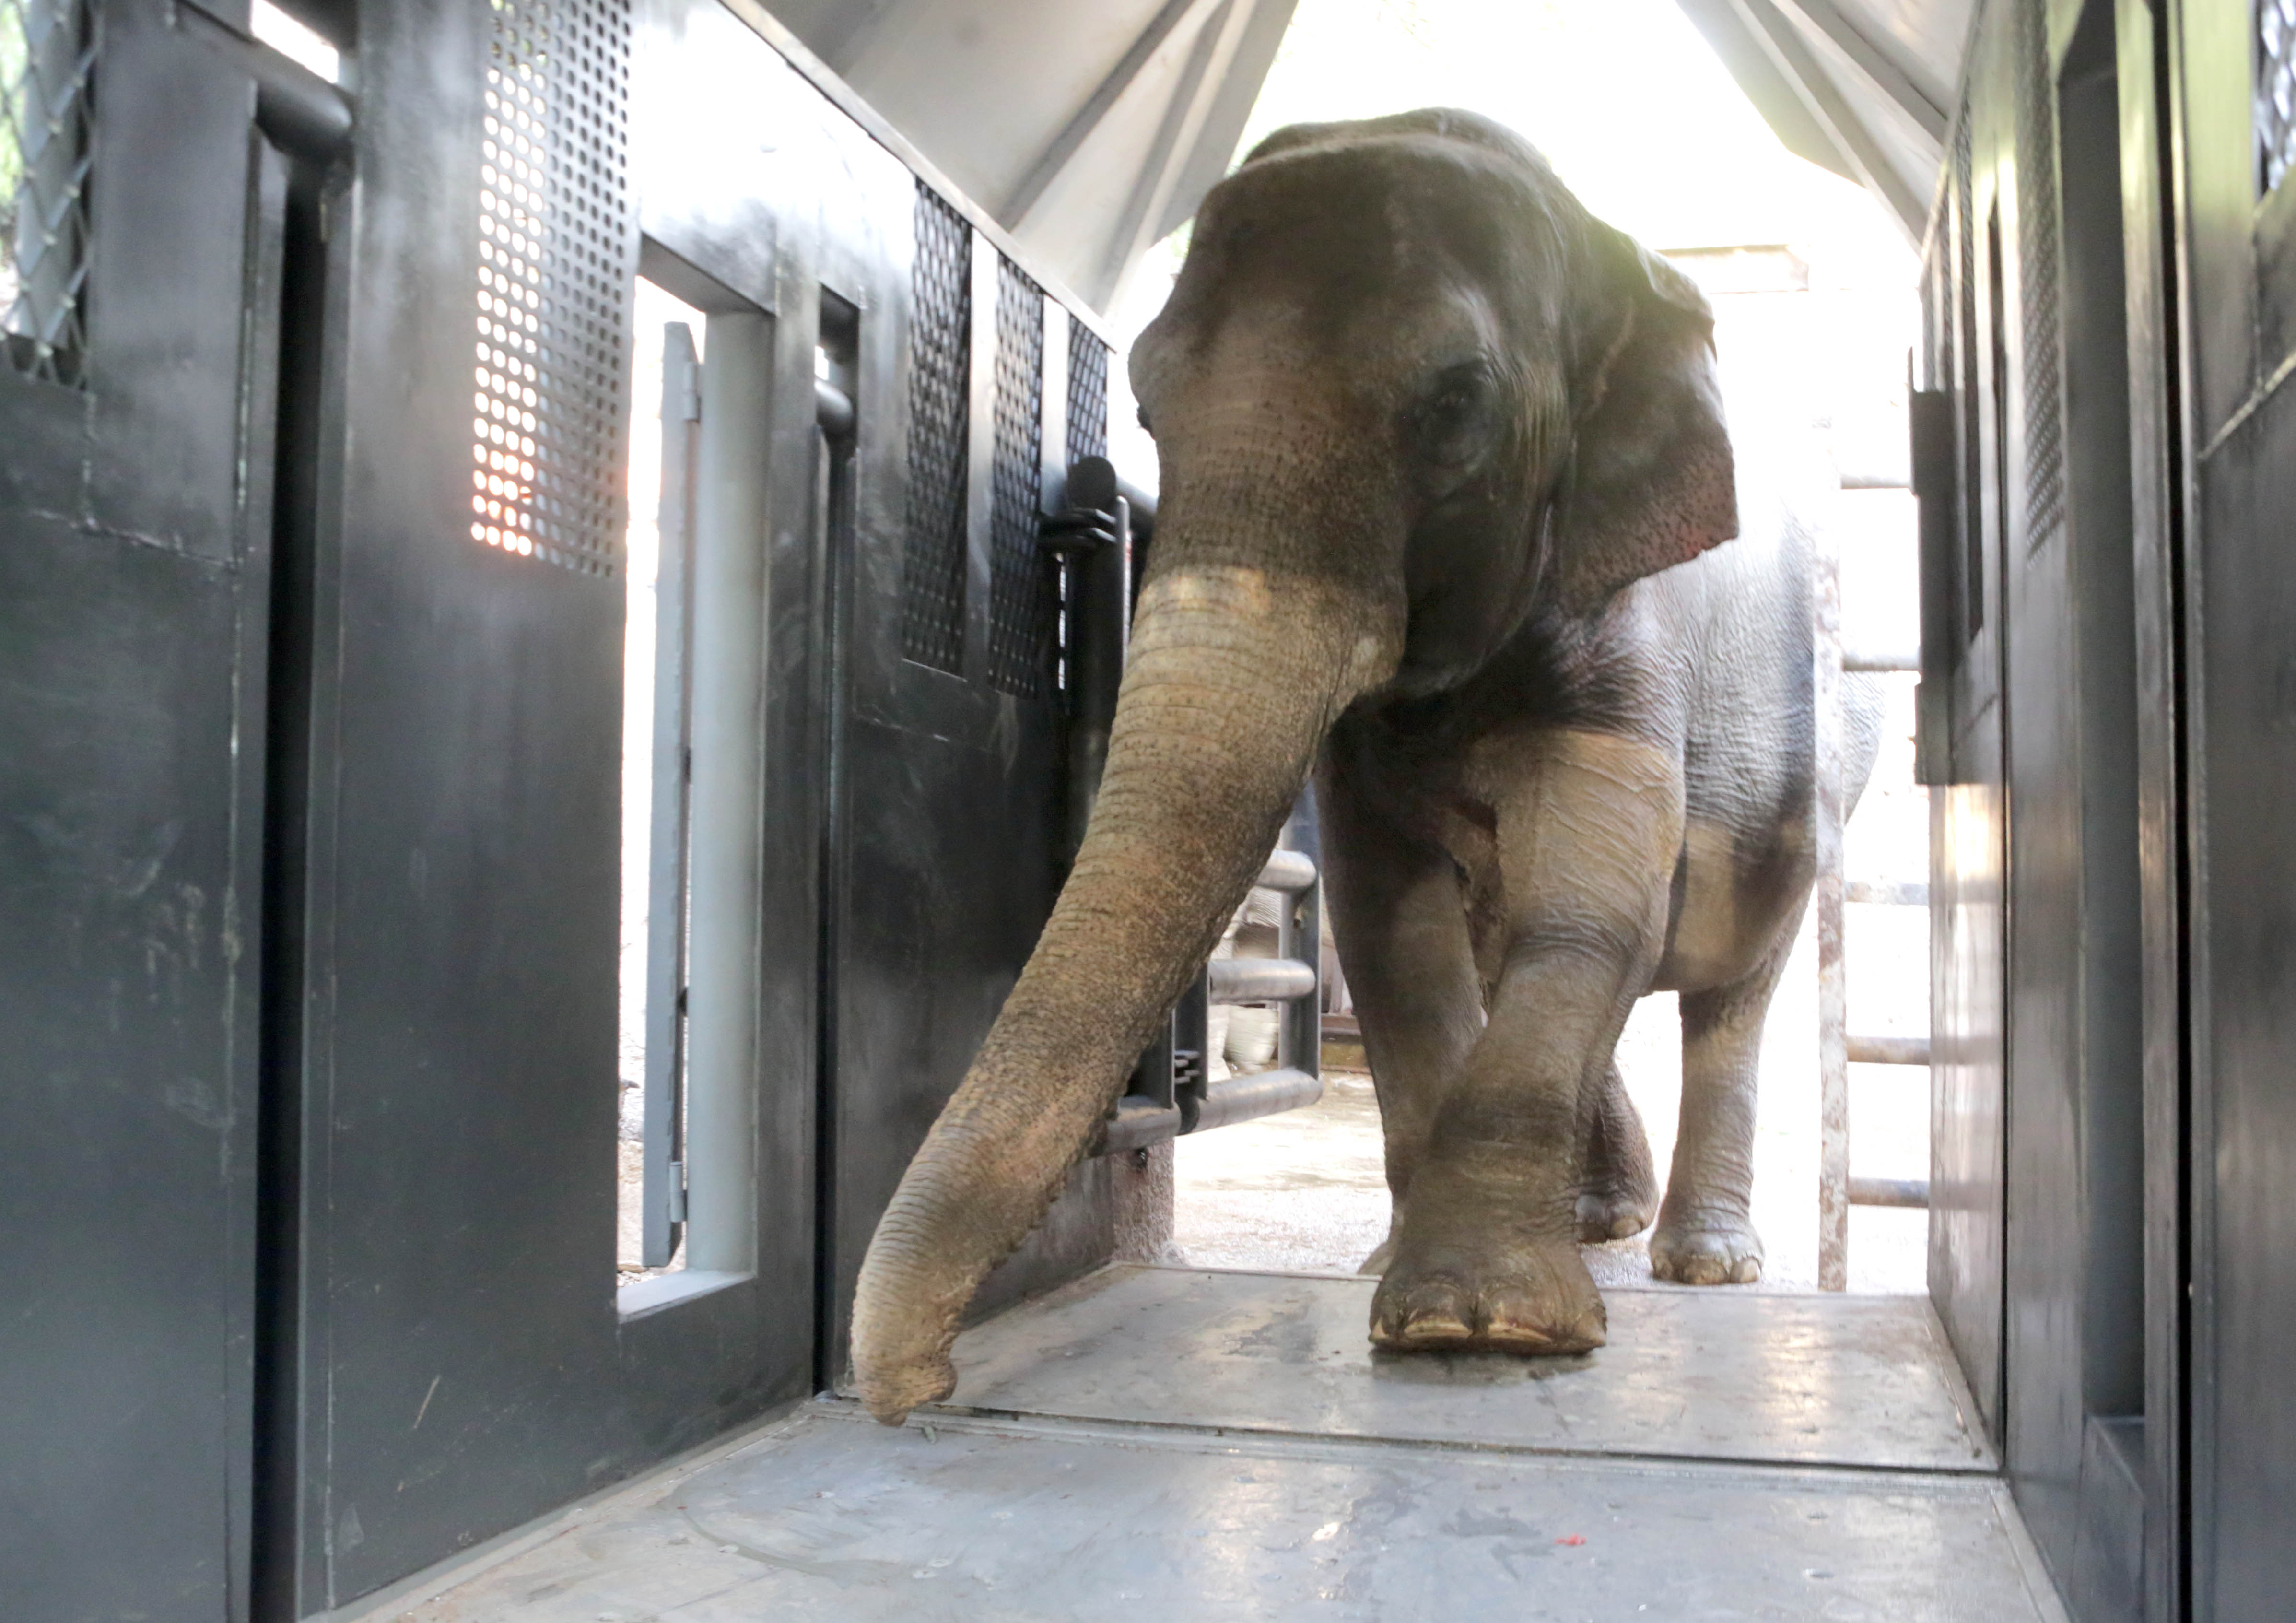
1020	585
553	278
1966	406
47	66
1087	412
1088	436
940	342
2276	89
2037	274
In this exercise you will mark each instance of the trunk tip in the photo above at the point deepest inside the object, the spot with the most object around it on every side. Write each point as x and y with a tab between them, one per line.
891	1389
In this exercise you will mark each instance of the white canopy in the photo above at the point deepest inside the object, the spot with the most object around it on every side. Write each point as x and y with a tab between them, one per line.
1089	128
1864	87
1092	128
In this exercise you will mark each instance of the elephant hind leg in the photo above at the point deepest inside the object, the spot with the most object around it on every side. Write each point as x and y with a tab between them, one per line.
1706	1228
1618	1183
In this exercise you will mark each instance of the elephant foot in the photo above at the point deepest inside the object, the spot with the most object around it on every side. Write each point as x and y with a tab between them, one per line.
1618	1191
1714	1248
1381	1256
1618	1208
1532	1299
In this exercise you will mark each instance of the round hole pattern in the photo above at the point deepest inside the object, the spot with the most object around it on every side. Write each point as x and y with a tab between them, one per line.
553	271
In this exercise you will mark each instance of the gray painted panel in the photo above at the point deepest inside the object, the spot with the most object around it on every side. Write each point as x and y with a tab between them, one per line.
1968	836
829	1518
462	1362
2246	1165
134	582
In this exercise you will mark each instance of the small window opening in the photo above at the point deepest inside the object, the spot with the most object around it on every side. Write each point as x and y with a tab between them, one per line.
664	406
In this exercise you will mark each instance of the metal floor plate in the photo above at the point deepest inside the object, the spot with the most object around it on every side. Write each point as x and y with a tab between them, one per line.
828	1517
1178	1444
1688	1374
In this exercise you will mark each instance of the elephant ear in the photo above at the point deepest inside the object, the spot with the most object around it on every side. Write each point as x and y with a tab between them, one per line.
1651	482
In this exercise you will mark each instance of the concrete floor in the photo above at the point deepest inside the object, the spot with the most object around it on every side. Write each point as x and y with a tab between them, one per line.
1305	1192
1193	1446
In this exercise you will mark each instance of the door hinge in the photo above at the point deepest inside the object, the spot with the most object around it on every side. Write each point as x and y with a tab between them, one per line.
677	1192
689	392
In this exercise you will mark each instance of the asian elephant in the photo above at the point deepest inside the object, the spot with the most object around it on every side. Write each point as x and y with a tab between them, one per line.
1442	459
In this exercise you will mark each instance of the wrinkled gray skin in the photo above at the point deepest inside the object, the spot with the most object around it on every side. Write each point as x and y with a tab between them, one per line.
1442	460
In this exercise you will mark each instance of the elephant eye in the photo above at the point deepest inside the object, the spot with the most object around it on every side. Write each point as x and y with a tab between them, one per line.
1451	419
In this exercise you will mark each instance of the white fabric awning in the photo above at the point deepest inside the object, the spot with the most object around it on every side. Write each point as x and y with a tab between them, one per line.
1088	130
1864	87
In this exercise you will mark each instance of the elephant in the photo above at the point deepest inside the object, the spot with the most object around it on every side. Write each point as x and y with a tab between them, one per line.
1445	484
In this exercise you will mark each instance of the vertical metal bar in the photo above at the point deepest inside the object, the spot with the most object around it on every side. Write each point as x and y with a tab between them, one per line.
725	797
1101	606
1300	935
1832	994
981	458
673	611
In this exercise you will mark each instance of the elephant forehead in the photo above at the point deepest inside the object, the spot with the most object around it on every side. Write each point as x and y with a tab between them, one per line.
1331	231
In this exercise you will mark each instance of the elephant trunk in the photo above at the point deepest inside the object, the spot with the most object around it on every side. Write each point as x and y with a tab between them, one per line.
1235	675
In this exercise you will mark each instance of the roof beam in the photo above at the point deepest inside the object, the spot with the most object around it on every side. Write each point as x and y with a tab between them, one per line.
1824	99
1087	118
1158	174
1887	78
1729	37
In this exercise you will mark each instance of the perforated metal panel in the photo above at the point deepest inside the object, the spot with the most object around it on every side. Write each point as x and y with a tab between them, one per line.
1020	582
2038	278
47	58
1087	403
940	343
553	273
2276	88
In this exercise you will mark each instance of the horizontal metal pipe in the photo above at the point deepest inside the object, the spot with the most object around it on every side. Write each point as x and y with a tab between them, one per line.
1260	980
1889	1051
1288	871
1139	1123
1908	1191
1881	660
1889	892
1248	1098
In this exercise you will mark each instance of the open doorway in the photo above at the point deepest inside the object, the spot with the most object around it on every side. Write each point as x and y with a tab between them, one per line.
1814	290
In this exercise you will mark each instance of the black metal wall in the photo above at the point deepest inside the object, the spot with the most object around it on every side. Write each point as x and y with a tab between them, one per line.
137	423
308	920
2118	385
2236	233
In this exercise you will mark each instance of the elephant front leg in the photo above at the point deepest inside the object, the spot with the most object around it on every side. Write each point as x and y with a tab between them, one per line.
1487	1255
1410	968
1705	1232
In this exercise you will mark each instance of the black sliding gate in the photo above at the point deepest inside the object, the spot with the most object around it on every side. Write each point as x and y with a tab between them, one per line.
309	932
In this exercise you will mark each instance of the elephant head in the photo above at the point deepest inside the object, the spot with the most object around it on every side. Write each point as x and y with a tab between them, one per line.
1410	401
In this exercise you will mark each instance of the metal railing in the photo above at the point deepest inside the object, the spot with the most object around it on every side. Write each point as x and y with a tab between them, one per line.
1838	1048
1170	1092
